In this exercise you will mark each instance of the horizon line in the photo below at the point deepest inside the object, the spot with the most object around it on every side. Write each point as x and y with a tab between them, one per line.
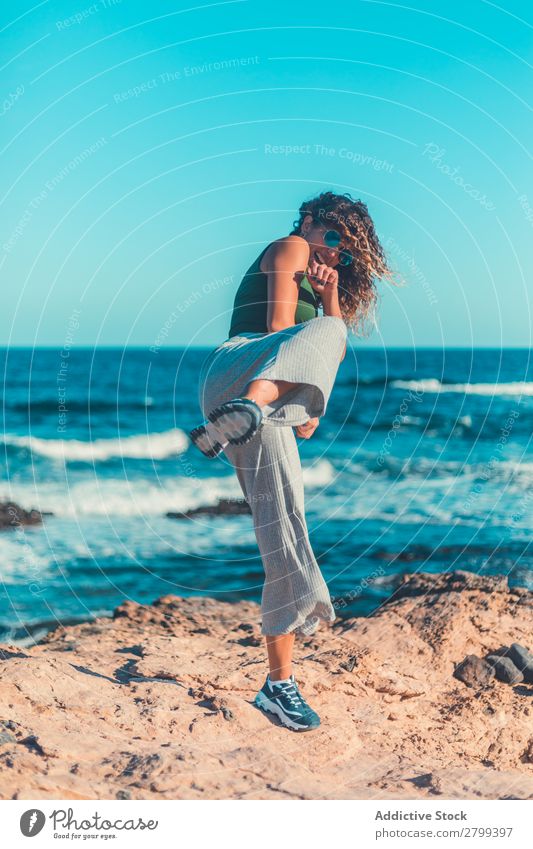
147	347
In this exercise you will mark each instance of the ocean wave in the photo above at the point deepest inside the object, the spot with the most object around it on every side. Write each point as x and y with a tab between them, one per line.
94	405
432	385
21	562
123	497
151	446
520	474
412	420
319	474
361	380
440	424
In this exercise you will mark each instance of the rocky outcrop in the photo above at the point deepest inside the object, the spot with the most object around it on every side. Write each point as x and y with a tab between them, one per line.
224	507
13	516
164	694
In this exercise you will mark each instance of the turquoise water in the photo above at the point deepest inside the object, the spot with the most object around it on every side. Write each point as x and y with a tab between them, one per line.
423	462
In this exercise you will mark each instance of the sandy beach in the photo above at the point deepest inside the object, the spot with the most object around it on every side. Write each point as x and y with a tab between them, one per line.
156	703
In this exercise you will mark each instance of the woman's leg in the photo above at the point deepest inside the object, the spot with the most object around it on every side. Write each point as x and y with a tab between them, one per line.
237	420
295	595
280	655
245	459
263	392
299	370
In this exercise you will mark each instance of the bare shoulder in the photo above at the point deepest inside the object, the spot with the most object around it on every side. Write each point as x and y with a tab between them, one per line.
287	253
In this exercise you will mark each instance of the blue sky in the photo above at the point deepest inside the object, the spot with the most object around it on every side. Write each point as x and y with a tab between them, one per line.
150	151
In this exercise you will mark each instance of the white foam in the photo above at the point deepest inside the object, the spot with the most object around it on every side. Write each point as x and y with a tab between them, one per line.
412	420
140	497
21	561
319	474
123	497
432	385
154	446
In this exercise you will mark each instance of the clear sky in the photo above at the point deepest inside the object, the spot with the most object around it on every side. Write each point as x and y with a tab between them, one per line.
150	150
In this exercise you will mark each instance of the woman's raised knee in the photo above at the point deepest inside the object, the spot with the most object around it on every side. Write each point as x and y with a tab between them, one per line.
334	321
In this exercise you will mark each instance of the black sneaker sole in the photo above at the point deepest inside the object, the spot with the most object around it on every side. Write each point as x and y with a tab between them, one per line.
229	409
236	408
199	431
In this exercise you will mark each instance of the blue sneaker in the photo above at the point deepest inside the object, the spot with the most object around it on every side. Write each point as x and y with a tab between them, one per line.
287	703
233	423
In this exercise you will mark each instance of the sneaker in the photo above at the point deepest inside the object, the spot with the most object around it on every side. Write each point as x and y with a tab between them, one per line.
287	703
233	423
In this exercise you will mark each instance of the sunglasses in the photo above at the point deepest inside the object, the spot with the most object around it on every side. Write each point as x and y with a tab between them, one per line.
332	239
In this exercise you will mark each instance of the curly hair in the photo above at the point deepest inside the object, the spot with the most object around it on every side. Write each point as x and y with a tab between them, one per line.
358	295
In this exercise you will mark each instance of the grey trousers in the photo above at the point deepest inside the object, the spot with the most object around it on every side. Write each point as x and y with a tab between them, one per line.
295	596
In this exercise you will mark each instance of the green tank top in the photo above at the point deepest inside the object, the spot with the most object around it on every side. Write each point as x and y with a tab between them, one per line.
251	301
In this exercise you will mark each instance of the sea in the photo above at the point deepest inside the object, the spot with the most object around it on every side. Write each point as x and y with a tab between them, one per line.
423	462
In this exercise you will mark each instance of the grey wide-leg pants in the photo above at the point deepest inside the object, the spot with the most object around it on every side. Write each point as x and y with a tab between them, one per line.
295	596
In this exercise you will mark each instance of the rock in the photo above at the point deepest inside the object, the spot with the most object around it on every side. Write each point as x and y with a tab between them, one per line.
391	684
225	507
445	582
503	651
11	651
505	669
123	794
214	703
474	671
523	660
527	756
349	664
252	640
156	702
6	738
13	516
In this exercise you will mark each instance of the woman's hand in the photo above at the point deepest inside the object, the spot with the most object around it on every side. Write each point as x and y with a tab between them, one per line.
307	430
322	278
325	282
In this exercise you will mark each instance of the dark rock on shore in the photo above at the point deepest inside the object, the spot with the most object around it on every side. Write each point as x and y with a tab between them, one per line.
513	664
225	507
510	666
505	669
474	671
12	516
523	660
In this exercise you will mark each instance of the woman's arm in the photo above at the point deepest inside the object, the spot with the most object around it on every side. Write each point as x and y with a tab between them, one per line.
325	281
283	263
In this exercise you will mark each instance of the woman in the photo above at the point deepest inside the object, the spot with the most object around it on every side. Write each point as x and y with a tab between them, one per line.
275	372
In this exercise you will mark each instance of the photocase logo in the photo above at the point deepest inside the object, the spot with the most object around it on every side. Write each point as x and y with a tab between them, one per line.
32	822
64	824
